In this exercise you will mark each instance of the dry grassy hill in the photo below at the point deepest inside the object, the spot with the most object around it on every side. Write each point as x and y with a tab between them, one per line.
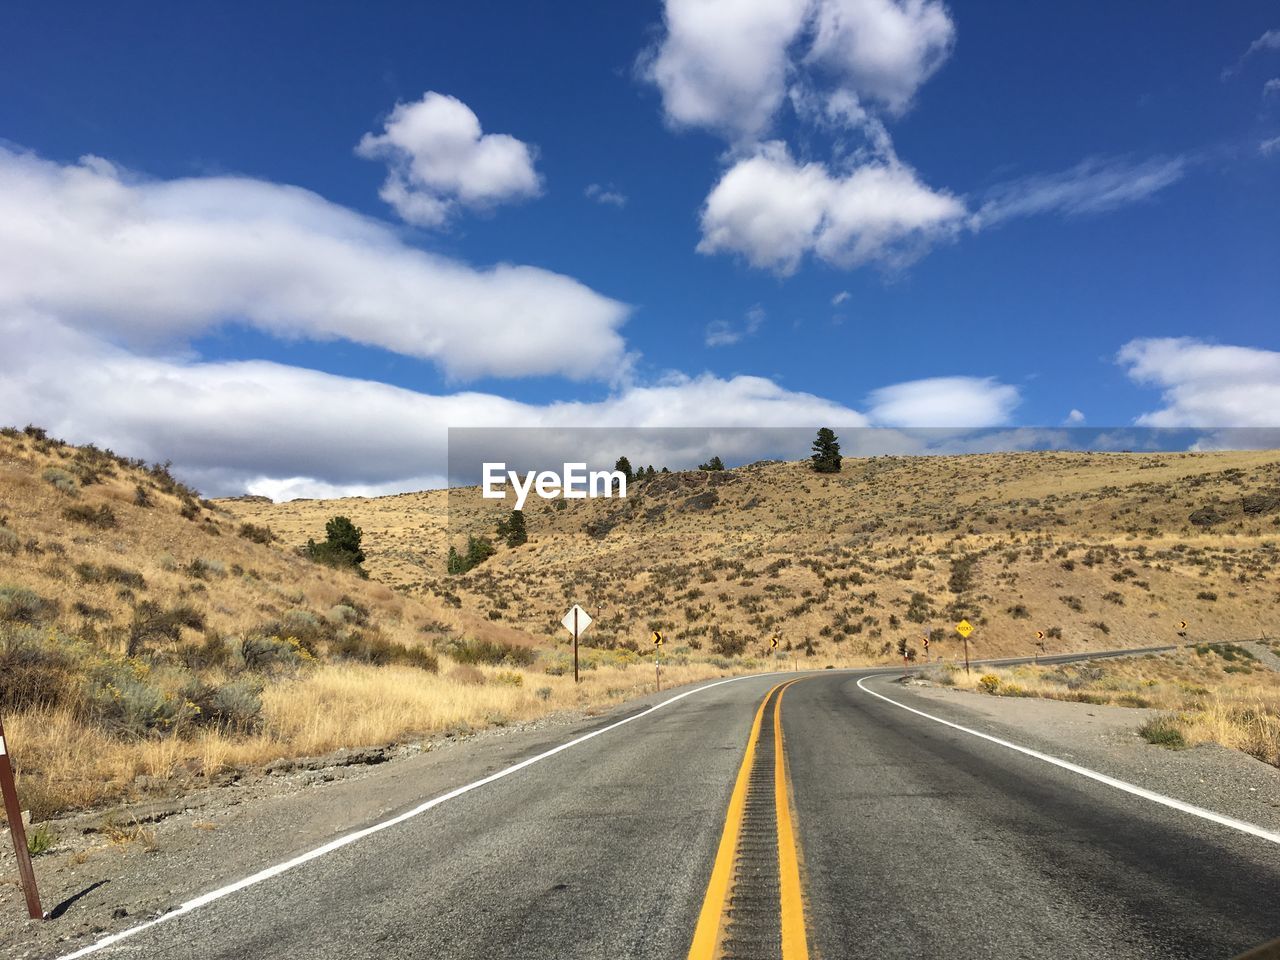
1097	550
151	641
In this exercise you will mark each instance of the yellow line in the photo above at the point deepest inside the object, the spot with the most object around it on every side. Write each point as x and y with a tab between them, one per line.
795	946
707	934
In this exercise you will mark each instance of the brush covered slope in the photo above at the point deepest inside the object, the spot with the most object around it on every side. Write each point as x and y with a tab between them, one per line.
151	642
1094	550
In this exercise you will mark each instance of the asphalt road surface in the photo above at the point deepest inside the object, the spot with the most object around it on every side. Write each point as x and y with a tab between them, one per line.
886	835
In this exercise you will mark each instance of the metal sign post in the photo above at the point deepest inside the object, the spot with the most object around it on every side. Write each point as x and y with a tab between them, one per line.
18	831
657	659
964	628
576	622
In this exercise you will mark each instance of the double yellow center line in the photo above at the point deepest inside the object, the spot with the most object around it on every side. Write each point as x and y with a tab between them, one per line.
713	920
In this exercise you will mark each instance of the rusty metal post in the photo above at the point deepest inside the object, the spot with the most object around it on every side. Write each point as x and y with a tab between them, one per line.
13	810
575	643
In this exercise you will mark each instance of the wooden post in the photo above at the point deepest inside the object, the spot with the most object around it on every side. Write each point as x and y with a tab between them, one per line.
17	830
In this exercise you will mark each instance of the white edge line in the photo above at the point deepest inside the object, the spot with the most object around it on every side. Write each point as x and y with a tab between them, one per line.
1137	791
350	838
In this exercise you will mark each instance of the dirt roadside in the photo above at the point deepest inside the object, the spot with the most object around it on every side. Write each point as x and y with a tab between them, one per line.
1106	739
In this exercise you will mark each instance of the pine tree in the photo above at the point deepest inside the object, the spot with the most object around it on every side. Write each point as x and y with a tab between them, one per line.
454	563
623	466
715	463
515	530
826	452
479	549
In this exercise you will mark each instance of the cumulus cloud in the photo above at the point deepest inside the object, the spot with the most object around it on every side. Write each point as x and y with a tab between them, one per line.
722	333
1204	384
1074	419
728	65
944	402
882	50
773	210
148	262
439	159
1093	186
723	64
609	196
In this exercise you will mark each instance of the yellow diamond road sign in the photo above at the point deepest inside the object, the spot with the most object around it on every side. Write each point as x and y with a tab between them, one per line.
964	628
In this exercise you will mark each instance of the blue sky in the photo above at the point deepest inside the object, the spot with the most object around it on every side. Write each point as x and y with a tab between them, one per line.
893	212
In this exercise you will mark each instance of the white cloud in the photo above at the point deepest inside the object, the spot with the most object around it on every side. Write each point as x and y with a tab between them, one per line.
610	195
1206	385
723	64
151	262
1271	86
1094	186
728	65
285	431
773	210
944	402
439	159
882	50
1268	147
722	333
1074	419
840	298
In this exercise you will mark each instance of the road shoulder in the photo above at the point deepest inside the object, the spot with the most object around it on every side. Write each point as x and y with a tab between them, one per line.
1105	739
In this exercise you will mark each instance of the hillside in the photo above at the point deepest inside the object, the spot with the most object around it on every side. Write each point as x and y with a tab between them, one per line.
150	640
1096	550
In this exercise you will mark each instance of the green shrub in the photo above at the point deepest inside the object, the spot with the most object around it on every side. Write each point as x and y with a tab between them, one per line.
61	480
151	622
21	605
989	683
89	573
1163	731
41	839
33	672
465	650
102	517
10	542
372	647
256	533
236	705
268	652
120	695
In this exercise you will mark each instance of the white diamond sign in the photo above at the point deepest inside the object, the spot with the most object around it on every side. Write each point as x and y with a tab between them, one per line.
583	620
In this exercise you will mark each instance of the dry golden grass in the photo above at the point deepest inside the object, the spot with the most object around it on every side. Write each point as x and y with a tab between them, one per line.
1209	694
325	708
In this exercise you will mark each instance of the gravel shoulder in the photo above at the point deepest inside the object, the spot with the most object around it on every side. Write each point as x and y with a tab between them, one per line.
117	868
1105	739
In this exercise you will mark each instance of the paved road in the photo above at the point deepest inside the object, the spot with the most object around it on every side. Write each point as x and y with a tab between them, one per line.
911	839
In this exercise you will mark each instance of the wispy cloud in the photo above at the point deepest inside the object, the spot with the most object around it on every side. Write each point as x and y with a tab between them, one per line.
722	333
1093	186
1270	40
608	196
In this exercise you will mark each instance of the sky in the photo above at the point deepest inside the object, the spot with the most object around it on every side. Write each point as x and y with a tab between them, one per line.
287	246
